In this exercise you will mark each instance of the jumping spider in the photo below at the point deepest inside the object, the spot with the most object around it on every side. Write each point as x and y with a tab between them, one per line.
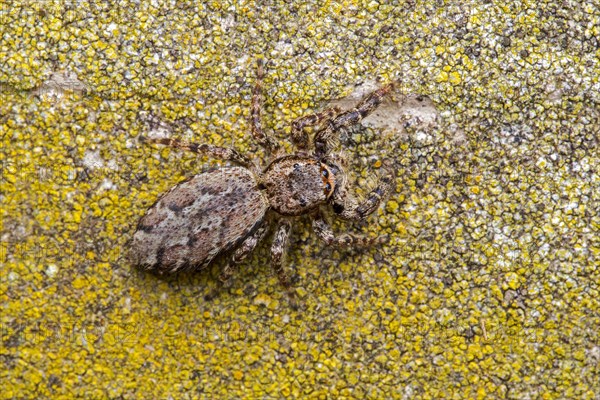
229	210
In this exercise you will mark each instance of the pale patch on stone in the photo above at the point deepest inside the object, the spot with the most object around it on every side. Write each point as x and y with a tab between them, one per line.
92	159
397	111
59	83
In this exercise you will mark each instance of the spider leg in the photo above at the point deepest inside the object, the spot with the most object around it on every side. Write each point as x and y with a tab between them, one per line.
242	252
257	130
348	207
238	256
325	138
299	136
278	248
325	233
221	153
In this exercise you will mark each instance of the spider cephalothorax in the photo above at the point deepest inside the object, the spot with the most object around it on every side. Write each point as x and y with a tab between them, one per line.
297	184
230	209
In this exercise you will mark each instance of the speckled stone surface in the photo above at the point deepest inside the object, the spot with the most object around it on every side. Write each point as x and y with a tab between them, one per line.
489	287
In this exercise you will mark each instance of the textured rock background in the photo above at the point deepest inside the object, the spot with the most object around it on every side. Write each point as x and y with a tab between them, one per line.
488	288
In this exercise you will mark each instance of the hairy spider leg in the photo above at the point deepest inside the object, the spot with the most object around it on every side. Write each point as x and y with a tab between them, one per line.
346	206
299	136
325	233
221	153
280	243
256	125
239	255
325	138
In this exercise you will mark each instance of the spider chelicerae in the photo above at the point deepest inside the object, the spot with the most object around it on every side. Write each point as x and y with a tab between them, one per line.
230	210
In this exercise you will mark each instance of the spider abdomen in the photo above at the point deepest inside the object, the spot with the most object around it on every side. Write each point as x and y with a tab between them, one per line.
198	219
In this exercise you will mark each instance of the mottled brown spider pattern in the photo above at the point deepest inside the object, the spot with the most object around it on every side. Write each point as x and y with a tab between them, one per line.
231	209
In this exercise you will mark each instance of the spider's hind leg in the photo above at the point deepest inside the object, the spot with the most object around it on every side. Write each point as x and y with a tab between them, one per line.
239	255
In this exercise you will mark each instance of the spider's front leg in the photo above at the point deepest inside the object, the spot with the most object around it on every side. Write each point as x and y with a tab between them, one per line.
299	136
325	233
348	207
221	153
280	242
257	130
325	138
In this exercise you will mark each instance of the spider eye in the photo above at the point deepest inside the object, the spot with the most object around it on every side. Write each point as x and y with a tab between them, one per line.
338	208
328	187
325	173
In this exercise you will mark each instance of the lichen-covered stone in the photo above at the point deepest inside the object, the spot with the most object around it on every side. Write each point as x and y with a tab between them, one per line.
489	284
